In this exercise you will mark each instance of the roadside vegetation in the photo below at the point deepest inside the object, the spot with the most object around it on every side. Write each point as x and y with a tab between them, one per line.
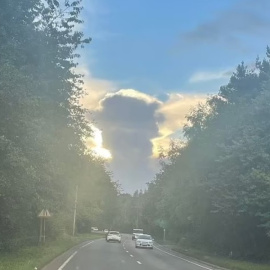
225	262
43	127
213	189
29	258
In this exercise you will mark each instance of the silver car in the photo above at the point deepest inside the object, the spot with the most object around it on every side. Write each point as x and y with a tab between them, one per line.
144	241
113	236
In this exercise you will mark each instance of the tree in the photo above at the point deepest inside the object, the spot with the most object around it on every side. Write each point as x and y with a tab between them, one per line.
42	125
214	194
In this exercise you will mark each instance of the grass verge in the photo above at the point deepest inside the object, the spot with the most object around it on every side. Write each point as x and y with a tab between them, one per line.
222	261
38	256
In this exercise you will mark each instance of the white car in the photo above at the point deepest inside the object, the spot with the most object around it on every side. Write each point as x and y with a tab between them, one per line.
95	229
136	232
144	241
113	236
136	235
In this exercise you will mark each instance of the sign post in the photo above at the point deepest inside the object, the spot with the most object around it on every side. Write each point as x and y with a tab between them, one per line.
162	224
164	235
75	211
43	215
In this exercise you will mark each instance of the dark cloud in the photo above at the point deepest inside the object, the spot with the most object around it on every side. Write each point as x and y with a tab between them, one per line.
128	124
233	26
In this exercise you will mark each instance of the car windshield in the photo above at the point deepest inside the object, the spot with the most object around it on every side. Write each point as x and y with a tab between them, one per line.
116	233
137	230
145	236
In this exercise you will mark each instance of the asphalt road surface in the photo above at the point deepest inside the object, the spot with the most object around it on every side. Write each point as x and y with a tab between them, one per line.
100	255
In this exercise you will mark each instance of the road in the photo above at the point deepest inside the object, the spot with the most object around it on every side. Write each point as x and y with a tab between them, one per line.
100	255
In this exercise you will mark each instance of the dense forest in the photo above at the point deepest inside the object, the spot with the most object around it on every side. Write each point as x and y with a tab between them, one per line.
213	190
42	126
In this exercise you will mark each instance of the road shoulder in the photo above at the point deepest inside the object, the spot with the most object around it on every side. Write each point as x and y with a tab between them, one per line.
169	251
56	263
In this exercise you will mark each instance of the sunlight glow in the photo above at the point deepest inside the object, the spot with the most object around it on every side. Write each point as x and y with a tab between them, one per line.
102	152
98	148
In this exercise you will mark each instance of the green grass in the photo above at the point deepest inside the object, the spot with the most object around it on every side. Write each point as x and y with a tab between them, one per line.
222	261
39	256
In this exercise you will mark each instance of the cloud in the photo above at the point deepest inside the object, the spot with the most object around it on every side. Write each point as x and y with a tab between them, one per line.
134	125
95	144
129	121
204	76
131	93
130	126
231	27
174	110
95	88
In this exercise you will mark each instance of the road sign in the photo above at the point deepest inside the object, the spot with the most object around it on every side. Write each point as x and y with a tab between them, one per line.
44	214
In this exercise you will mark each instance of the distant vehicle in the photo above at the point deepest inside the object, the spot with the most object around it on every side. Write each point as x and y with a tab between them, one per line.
144	241
136	232
94	229
113	236
106	231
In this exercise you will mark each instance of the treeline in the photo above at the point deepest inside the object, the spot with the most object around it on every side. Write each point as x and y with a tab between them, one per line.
213	193
42	126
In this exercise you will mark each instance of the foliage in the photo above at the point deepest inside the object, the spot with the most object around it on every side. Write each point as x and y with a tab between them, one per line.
32	257
42	125
215	194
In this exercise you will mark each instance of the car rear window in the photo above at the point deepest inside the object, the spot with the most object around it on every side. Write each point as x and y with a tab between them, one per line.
113	232
144	236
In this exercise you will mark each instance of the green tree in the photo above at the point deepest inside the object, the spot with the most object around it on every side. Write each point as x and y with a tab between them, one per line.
42	125
214	194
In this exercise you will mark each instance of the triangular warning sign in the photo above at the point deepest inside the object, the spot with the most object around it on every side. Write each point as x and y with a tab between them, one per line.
47	213
44	213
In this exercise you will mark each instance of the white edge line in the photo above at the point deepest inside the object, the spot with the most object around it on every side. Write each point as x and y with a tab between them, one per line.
139	262
67	261
204	267
87	244
131	255
127	251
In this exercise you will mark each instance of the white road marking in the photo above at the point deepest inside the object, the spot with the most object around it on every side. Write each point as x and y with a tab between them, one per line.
87	244
204	267
139	262
127	251
67	261
131	255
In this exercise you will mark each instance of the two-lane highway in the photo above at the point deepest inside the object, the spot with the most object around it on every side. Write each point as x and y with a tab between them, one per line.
100	255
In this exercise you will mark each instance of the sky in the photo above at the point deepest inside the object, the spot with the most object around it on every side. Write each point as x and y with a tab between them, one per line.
150	62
